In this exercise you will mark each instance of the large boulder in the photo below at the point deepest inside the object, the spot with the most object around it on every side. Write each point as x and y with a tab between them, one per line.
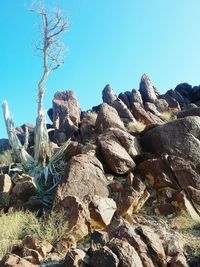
76	214
123	111
180	137
147	90
136	97
108	94
66	114
13	260
84	176
118	149
189	112
108	117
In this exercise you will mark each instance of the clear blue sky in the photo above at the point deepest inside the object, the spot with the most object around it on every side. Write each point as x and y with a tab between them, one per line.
110	41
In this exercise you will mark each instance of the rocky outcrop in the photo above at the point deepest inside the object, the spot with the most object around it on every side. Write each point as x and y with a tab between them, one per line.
84	176
118	149
13	260
5	189
66	115
168	138
108	117
108	94
147	90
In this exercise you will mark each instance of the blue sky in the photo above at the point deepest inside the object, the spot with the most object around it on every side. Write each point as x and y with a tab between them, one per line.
109	41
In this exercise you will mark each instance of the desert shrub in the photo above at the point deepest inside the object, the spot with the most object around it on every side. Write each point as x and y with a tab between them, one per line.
15	226
136	127
92	116
6	157
166	115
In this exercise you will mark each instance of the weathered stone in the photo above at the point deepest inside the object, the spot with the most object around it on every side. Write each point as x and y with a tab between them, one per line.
184	89
151	108
126	98
189	112
76	215
118	148
178	261
5	188
24	188
66	113
136	97
157	172
179	137
87	126
98	239
132	198
84	176
104	257
13	260
147	90
181	201
123	111
101	211
108	94
178	97
108	117
4	145
76	258
172	102
141	115
127	255
161	105
66	243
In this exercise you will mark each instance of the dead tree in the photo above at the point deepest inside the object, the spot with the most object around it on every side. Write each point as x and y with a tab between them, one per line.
51	50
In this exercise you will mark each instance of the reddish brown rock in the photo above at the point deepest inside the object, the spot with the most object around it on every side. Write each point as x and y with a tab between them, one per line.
108	94
179	137
84	176
157	172
178	261
126	98
118	148
104	257
127	255
132	198
123	111
136	97
147	90
108	117
24	188
76	215
66	113
13	260
76	258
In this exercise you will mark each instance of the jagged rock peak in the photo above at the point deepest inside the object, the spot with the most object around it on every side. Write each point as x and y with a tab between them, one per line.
108	95
147	90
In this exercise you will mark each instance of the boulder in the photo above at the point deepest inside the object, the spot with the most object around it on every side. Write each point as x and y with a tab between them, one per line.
66	113
132	197
185	90
84	176
4	145
178	261
172	102
5	189
13	260
126	98
76	258
99	239
178	137
108	117
136	97
76	215
108	94
161	104
123	111
178	97
147	90
157	172
144	116
101	211
118	149
189	112
104	257
24	189
127	255
151	107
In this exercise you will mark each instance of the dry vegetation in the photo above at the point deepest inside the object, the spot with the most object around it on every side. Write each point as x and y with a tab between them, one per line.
15	226
190	232
6	157
92	116
135	127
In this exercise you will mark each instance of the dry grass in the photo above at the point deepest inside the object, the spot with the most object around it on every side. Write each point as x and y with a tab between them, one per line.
15	226
135	127
92	116
166	116
6	157
190	232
